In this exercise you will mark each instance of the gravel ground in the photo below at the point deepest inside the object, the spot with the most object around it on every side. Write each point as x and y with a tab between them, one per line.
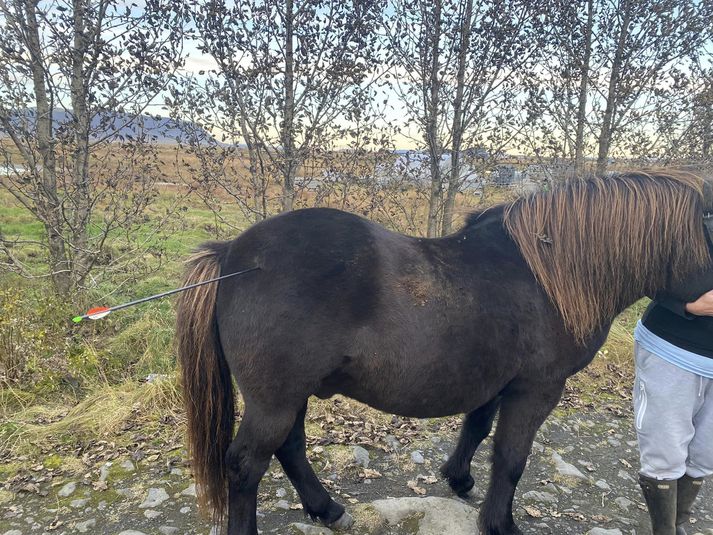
580	479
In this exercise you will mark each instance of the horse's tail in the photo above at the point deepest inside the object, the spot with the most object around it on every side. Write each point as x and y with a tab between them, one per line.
207	383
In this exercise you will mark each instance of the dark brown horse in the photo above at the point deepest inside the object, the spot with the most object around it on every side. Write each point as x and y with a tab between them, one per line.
492	318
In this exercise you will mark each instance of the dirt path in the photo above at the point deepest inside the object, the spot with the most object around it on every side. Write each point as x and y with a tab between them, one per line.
580	477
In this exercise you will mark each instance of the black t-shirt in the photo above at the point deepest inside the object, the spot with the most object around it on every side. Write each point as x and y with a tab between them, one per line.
667	318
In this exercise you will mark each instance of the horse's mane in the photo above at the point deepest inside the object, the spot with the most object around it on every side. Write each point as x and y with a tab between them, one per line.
597	244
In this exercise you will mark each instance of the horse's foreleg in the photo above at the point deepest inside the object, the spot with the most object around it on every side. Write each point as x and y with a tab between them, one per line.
261	432
476	426
315	499
524	406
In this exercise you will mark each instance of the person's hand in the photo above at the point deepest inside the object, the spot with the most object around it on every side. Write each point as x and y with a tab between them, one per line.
703	306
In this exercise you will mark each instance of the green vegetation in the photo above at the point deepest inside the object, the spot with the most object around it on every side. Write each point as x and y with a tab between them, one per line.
61	382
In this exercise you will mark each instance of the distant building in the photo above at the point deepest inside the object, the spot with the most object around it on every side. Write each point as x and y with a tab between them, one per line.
550	172
506	175
414	167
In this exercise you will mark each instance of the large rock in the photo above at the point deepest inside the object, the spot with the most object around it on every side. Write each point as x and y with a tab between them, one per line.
430	516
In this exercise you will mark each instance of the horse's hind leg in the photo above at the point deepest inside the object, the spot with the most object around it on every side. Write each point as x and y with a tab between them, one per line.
524	406
262	430
476	426
315	499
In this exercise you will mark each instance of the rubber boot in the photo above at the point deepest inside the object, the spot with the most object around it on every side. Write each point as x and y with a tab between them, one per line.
687	489
660	496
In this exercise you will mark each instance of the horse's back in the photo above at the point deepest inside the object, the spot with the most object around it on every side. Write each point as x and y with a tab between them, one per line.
312	259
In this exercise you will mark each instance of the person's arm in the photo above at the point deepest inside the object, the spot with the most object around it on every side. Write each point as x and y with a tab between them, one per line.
675	305
703	306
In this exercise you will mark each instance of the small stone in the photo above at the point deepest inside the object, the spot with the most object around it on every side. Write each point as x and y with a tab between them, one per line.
603	485
283	504
168	530
154	498
540	497
392	442
128	466
155	377
565	469
307	529
280	493
104	471
361	456
417	457
131	532
151	514
190	491
623	503
185	510
13	532
176	472
83	527
76	504
626	476
67	490
602	531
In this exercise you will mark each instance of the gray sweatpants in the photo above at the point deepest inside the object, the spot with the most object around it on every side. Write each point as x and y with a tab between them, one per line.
673	413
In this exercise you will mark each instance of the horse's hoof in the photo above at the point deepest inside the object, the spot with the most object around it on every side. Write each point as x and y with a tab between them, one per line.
342	523
510	529
462	485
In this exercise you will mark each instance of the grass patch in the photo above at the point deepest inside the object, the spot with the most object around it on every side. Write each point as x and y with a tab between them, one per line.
104	412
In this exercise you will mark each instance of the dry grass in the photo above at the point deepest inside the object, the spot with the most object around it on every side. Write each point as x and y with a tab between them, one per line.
105	412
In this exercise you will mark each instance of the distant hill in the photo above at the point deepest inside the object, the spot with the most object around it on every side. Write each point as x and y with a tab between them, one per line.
117	126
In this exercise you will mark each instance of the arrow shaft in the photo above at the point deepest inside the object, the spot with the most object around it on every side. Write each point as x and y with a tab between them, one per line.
171	292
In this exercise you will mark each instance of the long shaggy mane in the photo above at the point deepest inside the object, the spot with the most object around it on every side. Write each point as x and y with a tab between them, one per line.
597	244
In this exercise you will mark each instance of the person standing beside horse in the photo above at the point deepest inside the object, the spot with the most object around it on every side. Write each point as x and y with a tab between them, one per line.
673	407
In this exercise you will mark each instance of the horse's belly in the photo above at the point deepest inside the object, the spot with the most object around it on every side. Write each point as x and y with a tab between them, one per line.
419	392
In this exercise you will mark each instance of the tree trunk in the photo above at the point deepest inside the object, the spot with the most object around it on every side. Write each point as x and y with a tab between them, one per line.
47	200
612	96
434	148
706	112
456	147
287	135
83	257
583	88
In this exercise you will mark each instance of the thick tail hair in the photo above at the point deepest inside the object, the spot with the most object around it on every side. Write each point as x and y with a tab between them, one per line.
207	383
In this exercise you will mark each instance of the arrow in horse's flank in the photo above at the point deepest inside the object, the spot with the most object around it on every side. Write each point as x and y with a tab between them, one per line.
98	313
